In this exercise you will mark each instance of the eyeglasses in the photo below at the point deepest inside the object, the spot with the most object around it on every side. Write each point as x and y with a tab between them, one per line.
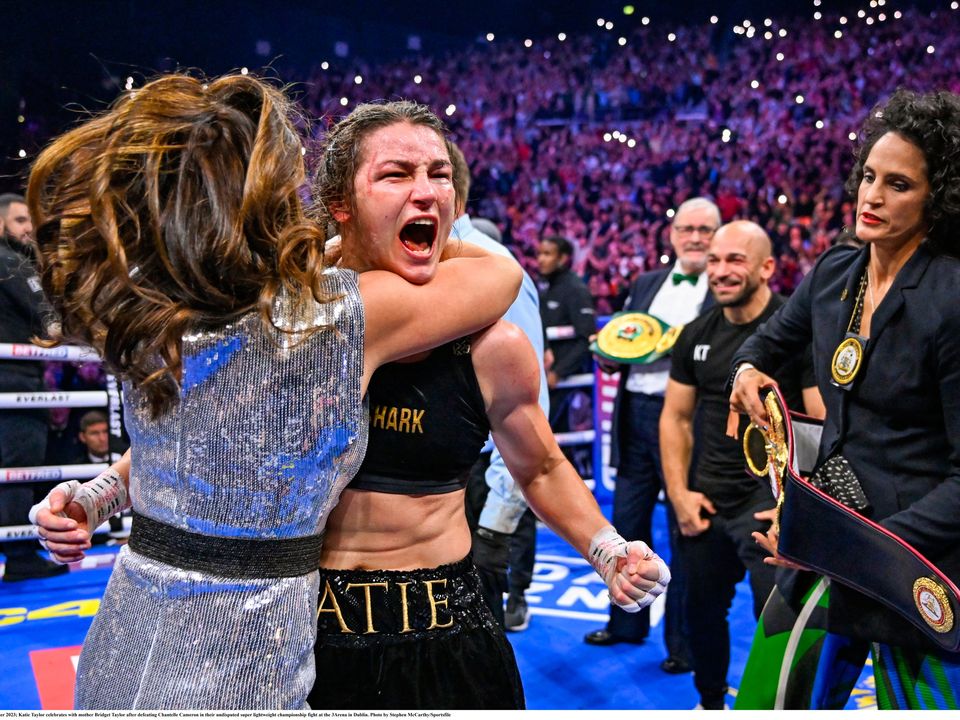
705	230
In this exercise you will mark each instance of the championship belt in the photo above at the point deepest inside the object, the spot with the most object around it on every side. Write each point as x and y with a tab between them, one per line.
635	338
823	534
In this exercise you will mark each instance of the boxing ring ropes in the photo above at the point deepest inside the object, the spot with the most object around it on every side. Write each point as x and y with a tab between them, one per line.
108	399
604	391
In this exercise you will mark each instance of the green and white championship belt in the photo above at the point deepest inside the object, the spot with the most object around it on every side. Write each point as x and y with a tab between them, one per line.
635	338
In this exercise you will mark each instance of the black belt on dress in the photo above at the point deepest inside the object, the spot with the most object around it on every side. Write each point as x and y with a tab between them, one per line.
228	557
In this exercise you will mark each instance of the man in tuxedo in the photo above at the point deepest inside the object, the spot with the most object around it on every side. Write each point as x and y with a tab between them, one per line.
676	295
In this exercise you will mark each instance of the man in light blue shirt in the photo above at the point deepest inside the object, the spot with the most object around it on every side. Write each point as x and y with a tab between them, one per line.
504	504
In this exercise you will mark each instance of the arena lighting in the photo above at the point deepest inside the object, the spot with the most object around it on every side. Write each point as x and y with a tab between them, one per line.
631	143
357	79
546	54
838	34
897	14
782	32
490	37
881	17
714	19
645	20
799	99
417	79
670	214
561	37
819	124
622	138
324	65
622	41
782	199
843	20
751	31
869	21
852	136
344	101
881	3
953	6
861	13
768	35
768	22
671	37
664	259
816	3
754	84
616	135
244	71
21	119
779	57
609	25
600	22
738	30
607	137
628	9
817	15
528	43
931	49
746	23
873	3
22	153
451	109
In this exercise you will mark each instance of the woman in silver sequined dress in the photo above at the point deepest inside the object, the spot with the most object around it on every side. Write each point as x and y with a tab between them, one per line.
175	243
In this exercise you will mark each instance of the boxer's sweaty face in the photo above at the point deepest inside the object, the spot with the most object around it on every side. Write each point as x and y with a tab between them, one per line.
404	202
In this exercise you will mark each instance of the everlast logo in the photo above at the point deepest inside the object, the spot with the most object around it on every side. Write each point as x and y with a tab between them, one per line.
405	420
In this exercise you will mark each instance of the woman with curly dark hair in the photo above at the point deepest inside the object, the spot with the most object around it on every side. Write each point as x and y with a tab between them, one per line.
174	241
884	321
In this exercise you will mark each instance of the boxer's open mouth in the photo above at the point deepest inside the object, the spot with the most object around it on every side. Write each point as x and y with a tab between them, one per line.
418	236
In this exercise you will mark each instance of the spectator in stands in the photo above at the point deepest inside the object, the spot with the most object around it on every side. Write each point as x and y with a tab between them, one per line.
94	435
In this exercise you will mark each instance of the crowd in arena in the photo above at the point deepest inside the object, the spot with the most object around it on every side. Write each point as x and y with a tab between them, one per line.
597	141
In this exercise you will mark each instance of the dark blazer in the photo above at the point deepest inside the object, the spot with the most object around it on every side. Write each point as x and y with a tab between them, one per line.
899	425
642	293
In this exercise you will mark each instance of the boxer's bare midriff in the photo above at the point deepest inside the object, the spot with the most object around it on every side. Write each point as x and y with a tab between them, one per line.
383	531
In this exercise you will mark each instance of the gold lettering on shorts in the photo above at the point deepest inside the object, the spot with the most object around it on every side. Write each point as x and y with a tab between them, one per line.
366	596
417	417
328	592
404	420
392	419
434	603
404	606
379	415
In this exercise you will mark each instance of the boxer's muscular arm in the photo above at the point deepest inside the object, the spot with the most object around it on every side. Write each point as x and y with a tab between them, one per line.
509	378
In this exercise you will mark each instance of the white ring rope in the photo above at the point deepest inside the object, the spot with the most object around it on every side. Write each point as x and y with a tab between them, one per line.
30	532
48	473
53	399
26	351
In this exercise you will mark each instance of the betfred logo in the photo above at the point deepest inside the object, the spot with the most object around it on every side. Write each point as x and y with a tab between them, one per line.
55	671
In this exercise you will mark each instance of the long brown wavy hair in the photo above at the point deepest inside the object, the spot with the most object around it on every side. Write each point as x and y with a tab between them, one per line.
176	209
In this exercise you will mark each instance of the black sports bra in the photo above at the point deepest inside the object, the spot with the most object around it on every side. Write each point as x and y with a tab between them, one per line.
428	424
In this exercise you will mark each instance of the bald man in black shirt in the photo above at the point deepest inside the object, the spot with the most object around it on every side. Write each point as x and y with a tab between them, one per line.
717	504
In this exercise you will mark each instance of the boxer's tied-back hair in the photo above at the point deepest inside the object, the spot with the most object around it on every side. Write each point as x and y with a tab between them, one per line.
176	209
342	147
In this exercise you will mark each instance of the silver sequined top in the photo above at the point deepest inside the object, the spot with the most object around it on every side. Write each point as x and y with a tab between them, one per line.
268	431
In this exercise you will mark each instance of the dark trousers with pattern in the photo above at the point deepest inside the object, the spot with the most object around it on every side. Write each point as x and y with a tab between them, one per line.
639	481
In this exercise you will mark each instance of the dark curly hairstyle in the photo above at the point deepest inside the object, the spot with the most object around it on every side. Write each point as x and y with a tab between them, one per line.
178	208
931	122
342	146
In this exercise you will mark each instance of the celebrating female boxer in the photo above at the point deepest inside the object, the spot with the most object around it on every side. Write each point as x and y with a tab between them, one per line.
402	620
175	243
